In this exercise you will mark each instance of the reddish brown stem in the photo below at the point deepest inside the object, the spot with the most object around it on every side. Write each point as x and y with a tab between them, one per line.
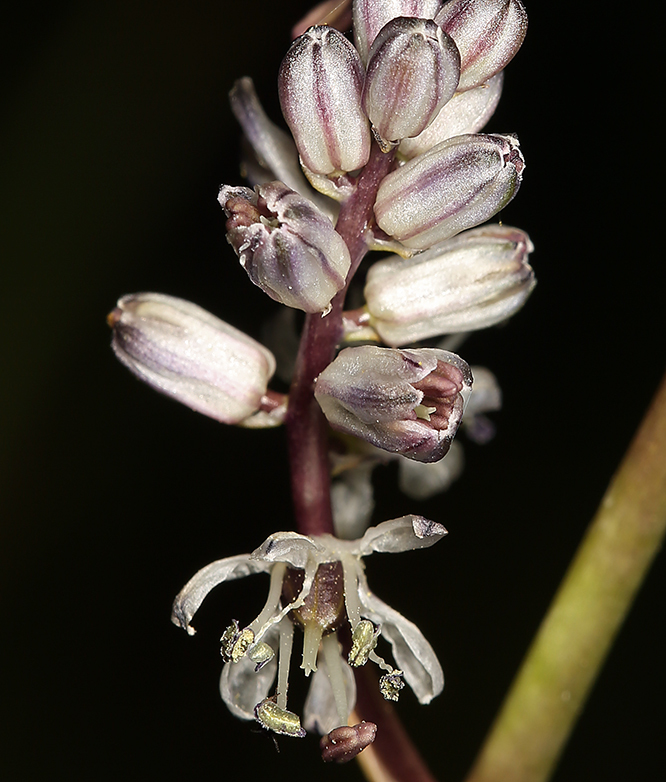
393	754
307	430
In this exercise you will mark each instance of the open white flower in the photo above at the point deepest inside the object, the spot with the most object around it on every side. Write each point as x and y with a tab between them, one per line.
319	584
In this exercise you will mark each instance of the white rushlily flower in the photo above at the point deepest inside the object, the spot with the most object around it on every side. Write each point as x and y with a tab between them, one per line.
317	583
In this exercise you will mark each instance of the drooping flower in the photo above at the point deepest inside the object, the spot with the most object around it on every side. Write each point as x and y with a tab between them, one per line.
471	281
187	353
412	72
286	245
487	32
319	584
456	185
403	401
320	83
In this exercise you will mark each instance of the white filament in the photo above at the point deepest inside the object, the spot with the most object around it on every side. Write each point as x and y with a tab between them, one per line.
331	649
350	567
286	643
273	599
310	571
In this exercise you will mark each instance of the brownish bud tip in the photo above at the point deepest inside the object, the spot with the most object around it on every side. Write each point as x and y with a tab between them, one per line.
345	742
114	316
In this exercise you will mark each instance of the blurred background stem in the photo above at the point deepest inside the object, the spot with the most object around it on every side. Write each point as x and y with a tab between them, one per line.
571	645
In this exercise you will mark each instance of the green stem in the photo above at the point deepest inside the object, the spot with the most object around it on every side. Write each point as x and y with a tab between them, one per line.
562	664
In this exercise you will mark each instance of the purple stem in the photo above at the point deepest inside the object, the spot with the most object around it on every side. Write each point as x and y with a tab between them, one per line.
307	430
393	748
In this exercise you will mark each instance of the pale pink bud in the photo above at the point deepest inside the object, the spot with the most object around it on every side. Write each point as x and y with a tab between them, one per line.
456	185
286	245
488	34
477	279
370	16
413	70
404	401
466	112
185	352
320	83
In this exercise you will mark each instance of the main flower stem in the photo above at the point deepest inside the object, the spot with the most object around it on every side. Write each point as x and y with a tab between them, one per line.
392	757
570	647
307	430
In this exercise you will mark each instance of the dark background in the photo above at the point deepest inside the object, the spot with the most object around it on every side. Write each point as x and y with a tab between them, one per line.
115	136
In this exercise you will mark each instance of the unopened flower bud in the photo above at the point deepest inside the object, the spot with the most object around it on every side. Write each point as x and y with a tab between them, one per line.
185	352
413	70
488	34
370	16
456	185
466	112
320	83
286	245
472	281
345	742
404	401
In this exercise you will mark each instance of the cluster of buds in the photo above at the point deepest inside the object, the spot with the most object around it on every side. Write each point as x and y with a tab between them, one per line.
385	153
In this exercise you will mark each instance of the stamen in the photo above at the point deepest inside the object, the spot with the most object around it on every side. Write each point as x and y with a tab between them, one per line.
273	599
350	567
381	662
310	571
424	412
364	640
286	643
331	649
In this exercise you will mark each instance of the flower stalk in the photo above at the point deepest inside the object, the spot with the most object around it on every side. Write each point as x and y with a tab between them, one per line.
561	666
307	430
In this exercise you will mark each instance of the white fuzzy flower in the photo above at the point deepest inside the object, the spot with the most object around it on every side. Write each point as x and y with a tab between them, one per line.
319	584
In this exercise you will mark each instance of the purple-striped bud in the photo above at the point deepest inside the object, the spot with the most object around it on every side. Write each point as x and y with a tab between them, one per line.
488	34
286	245
466	112
413	70
456	185
477	279
404	401
185	352
370	16
320	83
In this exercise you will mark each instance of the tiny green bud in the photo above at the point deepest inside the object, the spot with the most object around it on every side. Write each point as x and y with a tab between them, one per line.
364	640
390	685
270	716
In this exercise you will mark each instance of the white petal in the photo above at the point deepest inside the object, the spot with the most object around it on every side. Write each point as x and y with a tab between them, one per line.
403	534
289	547
242	688
412	653
320	714
192	595
421	481
486	393
353	502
